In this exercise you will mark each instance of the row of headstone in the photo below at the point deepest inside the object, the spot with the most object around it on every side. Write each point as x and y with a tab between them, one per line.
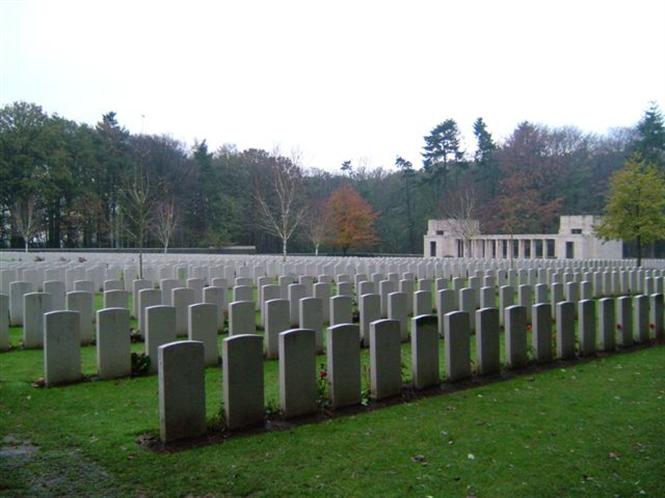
242	358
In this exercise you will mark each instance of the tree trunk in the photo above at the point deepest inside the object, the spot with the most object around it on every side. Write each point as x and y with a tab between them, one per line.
141	264
26	243
283	248
639	251
316	249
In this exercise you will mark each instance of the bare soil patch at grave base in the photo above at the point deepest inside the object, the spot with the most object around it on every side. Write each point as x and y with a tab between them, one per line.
217	434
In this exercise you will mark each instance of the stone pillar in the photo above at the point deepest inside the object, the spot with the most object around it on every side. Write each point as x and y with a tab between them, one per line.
16	292
62	352
487	341
4	322
182	404
277	321
467	303
297	372
242	379
113	284
56	288
242	318
341	310
116	299
136	287
607	324
345	289
656	315
343	354
515	336
35	305
541	332
322	292
587	326
385	288
487	297
311	318
541	294
525	298
113	342
296	293
159	330
146	298
506	298
456	346
556	296
406	286
242	293
82	302
370	310
422	302
182	298
641	334
625	320
217	297
166	286
447	303
424	351
202	327
385	358
397	311
565	330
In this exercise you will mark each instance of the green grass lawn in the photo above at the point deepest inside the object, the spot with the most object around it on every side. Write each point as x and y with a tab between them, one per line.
592	429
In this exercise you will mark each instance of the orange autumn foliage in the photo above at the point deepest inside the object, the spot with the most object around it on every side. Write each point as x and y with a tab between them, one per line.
351	219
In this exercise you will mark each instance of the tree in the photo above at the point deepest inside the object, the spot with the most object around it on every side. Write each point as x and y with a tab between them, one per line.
138	203
281	214
530	186
351	218
485	157
461	206
650	142
408	174
317	225
166	221
441	151
26	219
635	205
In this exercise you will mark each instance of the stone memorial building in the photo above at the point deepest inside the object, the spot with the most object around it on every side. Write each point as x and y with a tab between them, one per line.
576	239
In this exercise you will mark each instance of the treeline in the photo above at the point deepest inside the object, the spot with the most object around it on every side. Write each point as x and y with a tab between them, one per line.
67	184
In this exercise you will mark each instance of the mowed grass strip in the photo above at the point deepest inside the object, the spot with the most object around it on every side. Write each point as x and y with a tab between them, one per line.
593	429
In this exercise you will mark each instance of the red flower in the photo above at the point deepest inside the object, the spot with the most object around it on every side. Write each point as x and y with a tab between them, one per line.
528	327
619	326
323	374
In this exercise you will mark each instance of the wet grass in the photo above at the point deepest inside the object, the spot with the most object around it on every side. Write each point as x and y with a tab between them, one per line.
590	429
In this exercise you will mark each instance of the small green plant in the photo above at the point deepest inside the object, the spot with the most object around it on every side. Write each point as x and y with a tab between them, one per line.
140	364
272	409
218	422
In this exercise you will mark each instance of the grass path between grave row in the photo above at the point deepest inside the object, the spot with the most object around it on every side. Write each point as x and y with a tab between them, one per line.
593	429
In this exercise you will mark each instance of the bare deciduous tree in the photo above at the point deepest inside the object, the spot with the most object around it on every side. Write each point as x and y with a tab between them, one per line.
317	225
461	206
166	221
281	213
138	204
26	218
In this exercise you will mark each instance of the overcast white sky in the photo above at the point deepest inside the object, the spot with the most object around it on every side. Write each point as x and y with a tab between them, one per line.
340	79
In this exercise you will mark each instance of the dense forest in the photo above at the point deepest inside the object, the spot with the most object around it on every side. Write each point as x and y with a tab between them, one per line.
67	184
